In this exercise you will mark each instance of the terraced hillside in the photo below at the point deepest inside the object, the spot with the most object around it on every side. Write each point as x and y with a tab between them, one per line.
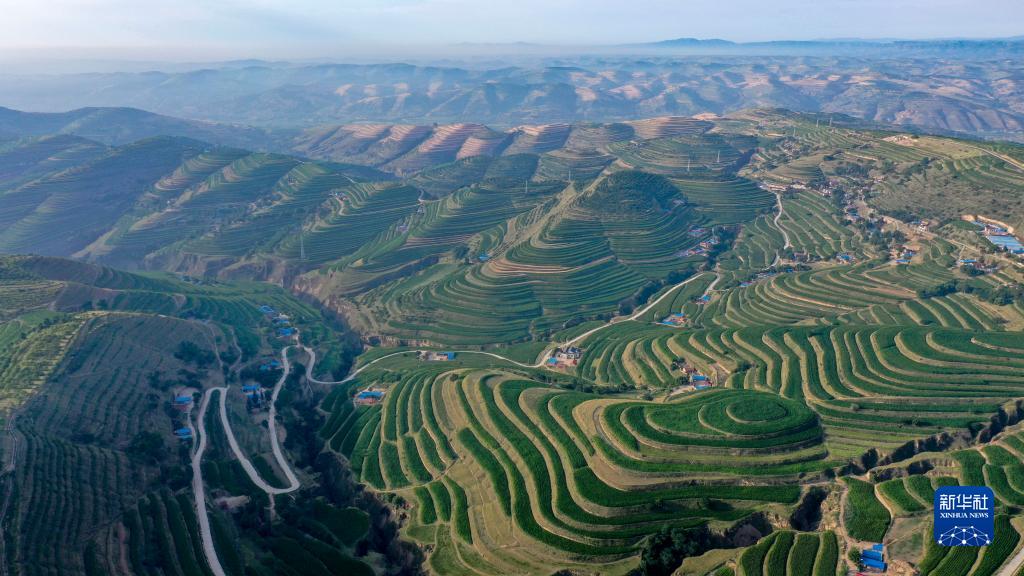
594	347
493	458
100	372
838	353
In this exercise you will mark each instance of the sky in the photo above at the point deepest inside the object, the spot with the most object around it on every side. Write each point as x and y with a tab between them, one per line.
219	29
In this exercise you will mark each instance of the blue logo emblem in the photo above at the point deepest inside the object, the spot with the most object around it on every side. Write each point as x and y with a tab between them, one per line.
964	516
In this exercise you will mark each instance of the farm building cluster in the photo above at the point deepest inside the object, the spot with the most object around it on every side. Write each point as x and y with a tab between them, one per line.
255	396
256	380
902	254
432	356
282	324
921	225
691	378
702	247
564	357
1000	236
873	559
676	320
976	267
182	403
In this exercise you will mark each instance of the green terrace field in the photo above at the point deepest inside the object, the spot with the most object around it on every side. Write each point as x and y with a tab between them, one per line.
506	473
547	258
850	375
813	227
574	258
792	553
478	216
726	201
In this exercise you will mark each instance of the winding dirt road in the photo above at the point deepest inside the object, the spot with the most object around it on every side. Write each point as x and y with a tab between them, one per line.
199	432
293	482
641	312
785	235
199	488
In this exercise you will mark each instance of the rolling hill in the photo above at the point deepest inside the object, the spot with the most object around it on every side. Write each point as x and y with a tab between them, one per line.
118	126
765	339
966	87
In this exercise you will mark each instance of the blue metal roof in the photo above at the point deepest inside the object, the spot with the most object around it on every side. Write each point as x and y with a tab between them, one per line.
872	554
876	564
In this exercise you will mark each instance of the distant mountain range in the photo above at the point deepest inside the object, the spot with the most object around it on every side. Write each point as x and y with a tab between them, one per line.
973	94
887	47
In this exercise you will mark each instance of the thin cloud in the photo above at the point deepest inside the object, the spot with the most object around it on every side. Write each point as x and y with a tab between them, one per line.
286	28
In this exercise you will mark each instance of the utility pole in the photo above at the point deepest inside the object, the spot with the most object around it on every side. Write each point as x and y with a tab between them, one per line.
687	163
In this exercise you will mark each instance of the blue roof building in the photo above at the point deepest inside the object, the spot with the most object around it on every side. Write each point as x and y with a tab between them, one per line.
369	397
874	564
872	555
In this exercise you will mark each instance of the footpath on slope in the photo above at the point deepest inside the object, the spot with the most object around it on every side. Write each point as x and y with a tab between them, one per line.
645	309
785	235
199	489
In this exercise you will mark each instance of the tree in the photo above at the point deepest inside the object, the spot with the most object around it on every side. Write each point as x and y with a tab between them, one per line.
665	551
148	446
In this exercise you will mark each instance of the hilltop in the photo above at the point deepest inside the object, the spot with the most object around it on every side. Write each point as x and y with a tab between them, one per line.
119	126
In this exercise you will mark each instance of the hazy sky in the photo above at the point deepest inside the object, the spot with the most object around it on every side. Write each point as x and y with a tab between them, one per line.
329	28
